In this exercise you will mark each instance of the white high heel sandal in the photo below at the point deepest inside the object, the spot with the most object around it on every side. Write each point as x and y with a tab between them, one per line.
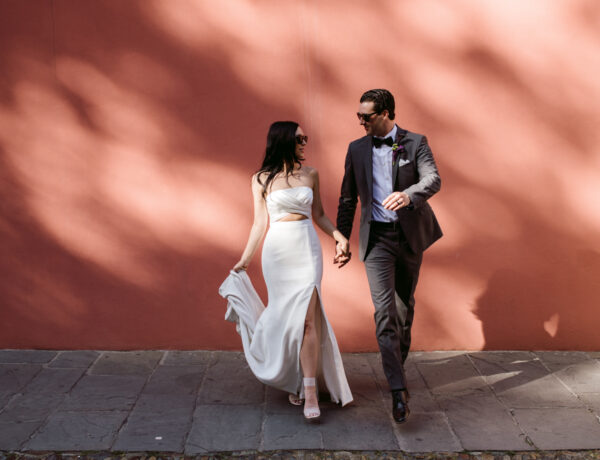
311	414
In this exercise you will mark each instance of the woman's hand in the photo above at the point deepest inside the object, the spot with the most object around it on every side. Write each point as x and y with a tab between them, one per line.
342	246
241	265
342	249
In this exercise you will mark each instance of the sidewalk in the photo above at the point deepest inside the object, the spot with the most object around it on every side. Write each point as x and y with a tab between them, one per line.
195	403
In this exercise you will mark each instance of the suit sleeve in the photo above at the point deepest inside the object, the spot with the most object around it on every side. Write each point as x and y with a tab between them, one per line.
348	199
429	179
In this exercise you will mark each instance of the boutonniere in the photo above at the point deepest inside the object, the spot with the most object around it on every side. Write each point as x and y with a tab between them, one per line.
397	149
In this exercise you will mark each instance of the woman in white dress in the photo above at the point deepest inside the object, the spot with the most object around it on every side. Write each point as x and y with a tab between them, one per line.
292	342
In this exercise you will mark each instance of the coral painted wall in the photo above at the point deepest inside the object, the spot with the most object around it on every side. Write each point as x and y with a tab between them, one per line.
129	131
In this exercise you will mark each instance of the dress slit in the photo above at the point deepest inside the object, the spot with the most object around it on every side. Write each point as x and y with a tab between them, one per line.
321	336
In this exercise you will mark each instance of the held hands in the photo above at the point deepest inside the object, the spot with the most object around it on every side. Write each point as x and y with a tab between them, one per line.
342	252
396	201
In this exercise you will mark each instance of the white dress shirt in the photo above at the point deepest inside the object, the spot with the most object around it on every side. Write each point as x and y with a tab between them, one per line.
382	180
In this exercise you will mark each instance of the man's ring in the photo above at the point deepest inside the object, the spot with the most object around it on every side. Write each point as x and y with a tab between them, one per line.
399	202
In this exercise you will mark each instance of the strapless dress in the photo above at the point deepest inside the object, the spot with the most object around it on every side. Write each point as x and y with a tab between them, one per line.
292	264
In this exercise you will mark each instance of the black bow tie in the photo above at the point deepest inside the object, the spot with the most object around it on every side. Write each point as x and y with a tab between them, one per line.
378	142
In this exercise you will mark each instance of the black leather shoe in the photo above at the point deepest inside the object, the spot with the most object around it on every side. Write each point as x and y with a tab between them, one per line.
400	409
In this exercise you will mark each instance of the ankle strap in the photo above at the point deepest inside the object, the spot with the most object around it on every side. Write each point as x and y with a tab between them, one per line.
309	382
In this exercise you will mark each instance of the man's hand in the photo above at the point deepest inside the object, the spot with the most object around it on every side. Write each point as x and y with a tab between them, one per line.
396	201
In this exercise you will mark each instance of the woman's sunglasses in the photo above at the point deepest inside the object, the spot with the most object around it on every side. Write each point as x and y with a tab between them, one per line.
301	139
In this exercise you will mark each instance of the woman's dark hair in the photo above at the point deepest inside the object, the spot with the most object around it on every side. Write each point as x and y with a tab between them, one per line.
382	100
280	153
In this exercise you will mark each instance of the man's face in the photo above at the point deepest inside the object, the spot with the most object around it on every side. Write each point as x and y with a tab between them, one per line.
375	126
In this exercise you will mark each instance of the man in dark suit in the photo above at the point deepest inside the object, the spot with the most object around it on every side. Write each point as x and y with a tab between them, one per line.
393	173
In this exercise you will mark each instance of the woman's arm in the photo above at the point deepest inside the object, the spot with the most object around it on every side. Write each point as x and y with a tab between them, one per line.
321	219
259	226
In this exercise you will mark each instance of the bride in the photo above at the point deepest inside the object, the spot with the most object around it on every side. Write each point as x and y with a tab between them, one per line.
292	343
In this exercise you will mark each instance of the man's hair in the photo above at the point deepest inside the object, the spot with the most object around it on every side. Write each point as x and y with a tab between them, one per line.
382	99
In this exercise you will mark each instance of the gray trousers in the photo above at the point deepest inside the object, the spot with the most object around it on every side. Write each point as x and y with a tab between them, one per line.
393	271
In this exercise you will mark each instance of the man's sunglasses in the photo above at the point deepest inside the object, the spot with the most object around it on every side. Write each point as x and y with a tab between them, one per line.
365	116
301	139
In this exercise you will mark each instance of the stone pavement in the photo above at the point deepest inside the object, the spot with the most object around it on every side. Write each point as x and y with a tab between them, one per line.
199	402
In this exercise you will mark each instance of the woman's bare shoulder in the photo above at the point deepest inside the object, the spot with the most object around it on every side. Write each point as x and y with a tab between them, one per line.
259	177
310	170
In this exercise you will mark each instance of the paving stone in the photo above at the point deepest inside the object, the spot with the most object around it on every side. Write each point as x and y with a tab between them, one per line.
199	358
175	380
158	423
69	431
346	428
13	377
355	363
414	379
482	423
375	362
291	431
276	402
104	392
365	389
229	380
26	356
14	434
161	397
158	404
582	377
426	356
450	374
557	360
5	397
126	363
427	432
562	428
77	359
544	392
53	381
592	400
492	363
520	380
41	395
224	428
147	433
30	407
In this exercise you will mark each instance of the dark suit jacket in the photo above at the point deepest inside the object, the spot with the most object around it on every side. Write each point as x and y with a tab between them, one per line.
415	173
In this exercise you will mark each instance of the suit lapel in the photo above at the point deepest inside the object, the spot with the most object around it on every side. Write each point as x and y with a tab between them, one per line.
400	133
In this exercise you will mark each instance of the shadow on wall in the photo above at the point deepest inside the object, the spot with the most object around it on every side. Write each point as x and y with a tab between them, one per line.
115	144
547	304
126	145
519	166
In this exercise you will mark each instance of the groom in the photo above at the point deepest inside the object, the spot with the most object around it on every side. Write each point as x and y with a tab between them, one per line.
393	173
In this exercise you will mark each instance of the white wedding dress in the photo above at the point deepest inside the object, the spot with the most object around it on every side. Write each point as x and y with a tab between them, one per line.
292	265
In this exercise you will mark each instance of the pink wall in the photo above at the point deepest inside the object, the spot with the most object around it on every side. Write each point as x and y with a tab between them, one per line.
129	130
